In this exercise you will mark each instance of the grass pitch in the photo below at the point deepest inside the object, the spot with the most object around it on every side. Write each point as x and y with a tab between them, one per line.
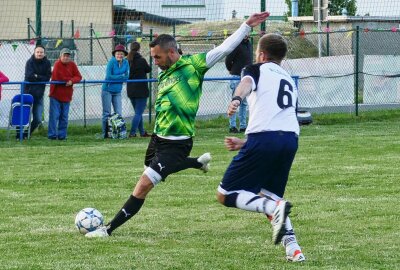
344	186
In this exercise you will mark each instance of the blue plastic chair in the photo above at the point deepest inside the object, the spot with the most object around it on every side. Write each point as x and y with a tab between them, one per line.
15	113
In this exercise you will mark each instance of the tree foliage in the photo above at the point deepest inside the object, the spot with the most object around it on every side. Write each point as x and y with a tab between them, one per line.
335	7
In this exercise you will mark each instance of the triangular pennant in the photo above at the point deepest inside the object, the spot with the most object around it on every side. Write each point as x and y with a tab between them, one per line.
302	33
58	43
77	34
349	34
394	29
210	33
97	34
194	32
15	46
139	39
225	33
112	33
32	42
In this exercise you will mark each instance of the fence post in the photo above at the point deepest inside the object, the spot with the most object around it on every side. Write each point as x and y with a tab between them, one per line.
327	39
356	69
29	28
72	28
61	28
151	84
91	44
84	103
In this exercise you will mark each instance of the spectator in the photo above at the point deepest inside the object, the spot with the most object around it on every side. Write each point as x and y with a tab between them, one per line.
138	92
117	70
3	79
37	69
234	63
64	70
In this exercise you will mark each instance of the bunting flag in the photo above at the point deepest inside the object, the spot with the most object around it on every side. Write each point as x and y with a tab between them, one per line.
366	30
286	33
302	33
128	37
58	43
139	39
32	42
327	29
112	33
314	29
210	33
77	34
97	34
394	29
194	32
349	34
225	33
254	33
182	33
15	46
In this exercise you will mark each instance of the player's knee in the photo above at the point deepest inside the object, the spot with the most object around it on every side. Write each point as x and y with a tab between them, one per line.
227	200
220	198
143	187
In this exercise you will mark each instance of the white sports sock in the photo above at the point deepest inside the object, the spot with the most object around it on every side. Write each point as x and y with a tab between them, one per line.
252	202
288	225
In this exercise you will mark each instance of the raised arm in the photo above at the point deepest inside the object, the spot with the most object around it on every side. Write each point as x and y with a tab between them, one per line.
233	41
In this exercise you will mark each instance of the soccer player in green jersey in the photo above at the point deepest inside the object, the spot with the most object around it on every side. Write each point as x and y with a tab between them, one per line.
179	91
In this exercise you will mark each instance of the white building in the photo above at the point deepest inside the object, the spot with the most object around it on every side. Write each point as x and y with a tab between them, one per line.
204	10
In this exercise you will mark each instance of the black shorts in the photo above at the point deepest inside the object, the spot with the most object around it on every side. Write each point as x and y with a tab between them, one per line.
166	156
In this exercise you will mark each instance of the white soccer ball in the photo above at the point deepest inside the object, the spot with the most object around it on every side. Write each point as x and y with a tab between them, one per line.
88	220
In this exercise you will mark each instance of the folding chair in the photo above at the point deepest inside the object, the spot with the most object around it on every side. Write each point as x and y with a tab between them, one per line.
15	114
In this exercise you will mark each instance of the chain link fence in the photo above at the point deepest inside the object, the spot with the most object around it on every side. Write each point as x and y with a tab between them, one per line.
358	69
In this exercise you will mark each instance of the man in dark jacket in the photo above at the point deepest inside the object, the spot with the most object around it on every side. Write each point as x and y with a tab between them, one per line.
37	69
234	63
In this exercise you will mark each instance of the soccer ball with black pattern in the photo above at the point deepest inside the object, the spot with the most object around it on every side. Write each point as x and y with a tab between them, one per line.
88	220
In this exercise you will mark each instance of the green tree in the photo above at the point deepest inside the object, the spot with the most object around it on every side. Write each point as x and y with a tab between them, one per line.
335	7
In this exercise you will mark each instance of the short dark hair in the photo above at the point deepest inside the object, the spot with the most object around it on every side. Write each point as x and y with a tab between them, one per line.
39	46
274	45
165	42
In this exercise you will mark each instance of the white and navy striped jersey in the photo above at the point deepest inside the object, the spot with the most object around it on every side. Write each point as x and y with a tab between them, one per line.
273	99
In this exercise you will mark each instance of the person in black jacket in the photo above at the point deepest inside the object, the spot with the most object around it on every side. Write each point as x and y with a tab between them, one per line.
234	63
37	69
138	92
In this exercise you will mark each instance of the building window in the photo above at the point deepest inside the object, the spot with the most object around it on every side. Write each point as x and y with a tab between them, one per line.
183	3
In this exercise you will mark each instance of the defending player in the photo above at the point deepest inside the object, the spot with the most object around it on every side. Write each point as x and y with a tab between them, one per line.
257	176
179	91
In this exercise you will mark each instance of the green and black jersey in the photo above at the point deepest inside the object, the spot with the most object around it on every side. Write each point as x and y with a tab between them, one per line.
178	98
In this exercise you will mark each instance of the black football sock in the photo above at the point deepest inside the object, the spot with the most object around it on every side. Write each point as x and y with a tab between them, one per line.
130	208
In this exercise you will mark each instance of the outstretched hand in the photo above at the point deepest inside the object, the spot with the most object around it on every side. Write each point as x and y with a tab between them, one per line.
233	143
257	18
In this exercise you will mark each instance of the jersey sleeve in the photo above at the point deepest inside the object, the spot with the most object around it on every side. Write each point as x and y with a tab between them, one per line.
253	72
199	62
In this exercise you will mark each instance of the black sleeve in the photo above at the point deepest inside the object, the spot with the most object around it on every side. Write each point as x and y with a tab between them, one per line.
252	71
229	60
147	67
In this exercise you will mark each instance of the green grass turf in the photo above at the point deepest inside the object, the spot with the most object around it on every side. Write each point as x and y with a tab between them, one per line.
344	186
